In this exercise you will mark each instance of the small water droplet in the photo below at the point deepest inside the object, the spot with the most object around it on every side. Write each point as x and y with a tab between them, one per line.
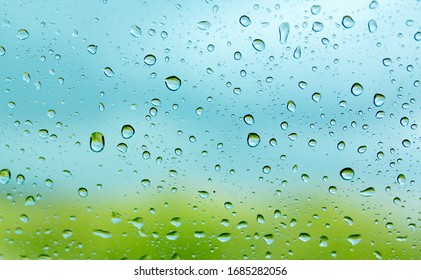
387	62
26	77
357	89
97	142
348	22
417	36
127	131
173	83
22	34
297	52
362	149
43	133
347	173
372	26
258	45
332	189
135	31
203	194
150	59
283	32
245	20
253	139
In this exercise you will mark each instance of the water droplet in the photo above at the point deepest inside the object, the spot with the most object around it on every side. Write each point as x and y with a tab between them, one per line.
387	62
341	145
357	89
173	83
204	25
260	219
20	179
92	49
24	218
224	237
406	143
82	192
297	52
283	32
228	205
249	119
203	194
291	106
354	239
199	234
379	99
304	237
269	239
245	20
67	233
401	179
242	225
253	139
273	142
135	31
378	255
323	241
172	235
150	59
347	173
404	121
30	201
127	131
115	217
102	233
372	26
43	133
315	9
97	142
373	4
362	149
368	192
22	34
258	45
293	136
317	26
176	221
348	22
237	55
349	220
266	169
2	51
417	36
316	97
332	189
4	176
108	72
26	77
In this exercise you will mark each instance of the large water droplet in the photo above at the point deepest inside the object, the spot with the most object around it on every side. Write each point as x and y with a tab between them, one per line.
135	31
22	34
4	176
204	25
150	59
108	72
368	192
348	22
347	173
173	83
357	89
245	20
372	26
354	239
379	99
253	139
258	45
97	142
283	32
92	49
127	131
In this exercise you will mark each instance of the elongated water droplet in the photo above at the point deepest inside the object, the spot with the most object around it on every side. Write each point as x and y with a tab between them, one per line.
372	26
283	32
108	72
379	99
173	83
204	25
135	31
349	220
357	89
150	59
291	106
102	233
362	149
401	179
245	20
224	237
260	219
22	34
26	77
347	173
242	225
368	192
4	176
97	142
348	22
172	235
258	45
127	131
297	52
92	49
253	139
